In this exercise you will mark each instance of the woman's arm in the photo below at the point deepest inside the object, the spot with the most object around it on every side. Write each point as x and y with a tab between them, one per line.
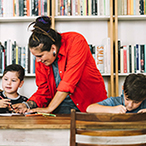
55	102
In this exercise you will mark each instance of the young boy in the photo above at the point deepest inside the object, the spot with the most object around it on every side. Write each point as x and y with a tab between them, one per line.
132	100
12	80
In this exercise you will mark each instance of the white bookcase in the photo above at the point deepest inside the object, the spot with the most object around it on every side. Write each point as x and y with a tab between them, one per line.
131	29
93	28
15	28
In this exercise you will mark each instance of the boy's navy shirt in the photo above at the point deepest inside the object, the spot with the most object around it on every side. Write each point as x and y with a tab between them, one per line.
114	101
18	99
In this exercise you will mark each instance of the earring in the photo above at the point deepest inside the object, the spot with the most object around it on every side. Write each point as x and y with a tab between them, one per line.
54	53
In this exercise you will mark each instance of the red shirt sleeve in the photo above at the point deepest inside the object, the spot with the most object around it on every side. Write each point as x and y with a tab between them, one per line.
43	95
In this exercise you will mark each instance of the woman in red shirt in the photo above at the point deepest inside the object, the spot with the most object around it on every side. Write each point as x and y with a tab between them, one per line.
66	73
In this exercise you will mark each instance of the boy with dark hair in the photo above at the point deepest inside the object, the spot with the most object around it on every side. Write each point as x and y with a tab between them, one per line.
12	80
132	100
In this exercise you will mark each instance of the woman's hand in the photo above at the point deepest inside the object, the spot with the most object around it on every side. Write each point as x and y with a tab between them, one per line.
20	108
4	103
40	110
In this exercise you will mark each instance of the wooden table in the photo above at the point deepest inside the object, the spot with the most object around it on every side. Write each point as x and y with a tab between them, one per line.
42	131
35	131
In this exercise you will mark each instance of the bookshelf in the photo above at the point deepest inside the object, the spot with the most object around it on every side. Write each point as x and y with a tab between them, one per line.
130	30
94	29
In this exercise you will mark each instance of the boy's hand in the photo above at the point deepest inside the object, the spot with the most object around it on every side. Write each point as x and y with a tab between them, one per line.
119	109
4	103
142	111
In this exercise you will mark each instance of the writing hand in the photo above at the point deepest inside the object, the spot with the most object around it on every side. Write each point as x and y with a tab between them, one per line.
4	103
119	109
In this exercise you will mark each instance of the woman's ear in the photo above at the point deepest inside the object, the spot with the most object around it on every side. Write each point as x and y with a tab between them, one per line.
21	83
54	50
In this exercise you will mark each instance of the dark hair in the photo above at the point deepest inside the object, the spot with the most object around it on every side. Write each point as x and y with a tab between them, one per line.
43	34
16	68
135	87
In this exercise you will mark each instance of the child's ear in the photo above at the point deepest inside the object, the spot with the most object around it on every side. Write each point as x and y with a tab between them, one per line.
21	83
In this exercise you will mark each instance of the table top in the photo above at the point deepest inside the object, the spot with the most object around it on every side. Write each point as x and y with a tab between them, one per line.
35	122
61	121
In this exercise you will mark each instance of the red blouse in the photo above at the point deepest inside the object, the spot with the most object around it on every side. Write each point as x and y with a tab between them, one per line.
79	75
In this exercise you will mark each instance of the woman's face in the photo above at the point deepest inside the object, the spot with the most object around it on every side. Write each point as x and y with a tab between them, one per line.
45	57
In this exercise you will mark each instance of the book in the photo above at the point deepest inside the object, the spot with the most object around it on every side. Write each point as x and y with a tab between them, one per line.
125	58
121	60
99	58
137	59
129	60
142	58
119	45
1	50
132	59
107	53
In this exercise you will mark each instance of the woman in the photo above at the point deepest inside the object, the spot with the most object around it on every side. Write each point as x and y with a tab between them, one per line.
66	73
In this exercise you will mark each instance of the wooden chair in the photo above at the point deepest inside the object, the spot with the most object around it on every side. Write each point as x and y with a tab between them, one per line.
114	125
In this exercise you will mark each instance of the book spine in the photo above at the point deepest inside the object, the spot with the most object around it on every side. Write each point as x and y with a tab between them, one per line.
142	58
137	59
16	54
132	11
125	58
1	50
24	8
121	60
19	55
130	60
99	53
141	7
119	44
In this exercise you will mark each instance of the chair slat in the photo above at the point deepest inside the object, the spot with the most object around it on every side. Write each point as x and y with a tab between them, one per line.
111	132
83	144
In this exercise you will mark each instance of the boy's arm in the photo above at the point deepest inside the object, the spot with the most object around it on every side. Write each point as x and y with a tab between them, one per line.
142	111
96	108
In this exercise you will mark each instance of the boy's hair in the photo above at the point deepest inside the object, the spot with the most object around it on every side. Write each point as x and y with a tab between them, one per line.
135	87
16	68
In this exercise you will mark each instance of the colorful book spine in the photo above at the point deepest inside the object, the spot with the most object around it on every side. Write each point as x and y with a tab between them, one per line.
125	58
99	58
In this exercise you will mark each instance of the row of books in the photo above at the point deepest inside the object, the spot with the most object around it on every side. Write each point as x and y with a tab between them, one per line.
132	58
102	56
11	53
12	8
82	7
131	7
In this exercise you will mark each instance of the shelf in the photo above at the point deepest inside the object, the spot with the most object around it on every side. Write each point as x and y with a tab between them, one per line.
106	74
126	74
17	19
132	17
26	75
81	18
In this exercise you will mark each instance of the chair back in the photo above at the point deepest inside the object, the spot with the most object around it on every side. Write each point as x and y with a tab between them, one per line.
107	125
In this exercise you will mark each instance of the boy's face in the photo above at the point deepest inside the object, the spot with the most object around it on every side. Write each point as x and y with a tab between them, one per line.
131	104
11	82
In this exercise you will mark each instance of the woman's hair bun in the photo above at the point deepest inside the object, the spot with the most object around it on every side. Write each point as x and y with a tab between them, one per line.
43	22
